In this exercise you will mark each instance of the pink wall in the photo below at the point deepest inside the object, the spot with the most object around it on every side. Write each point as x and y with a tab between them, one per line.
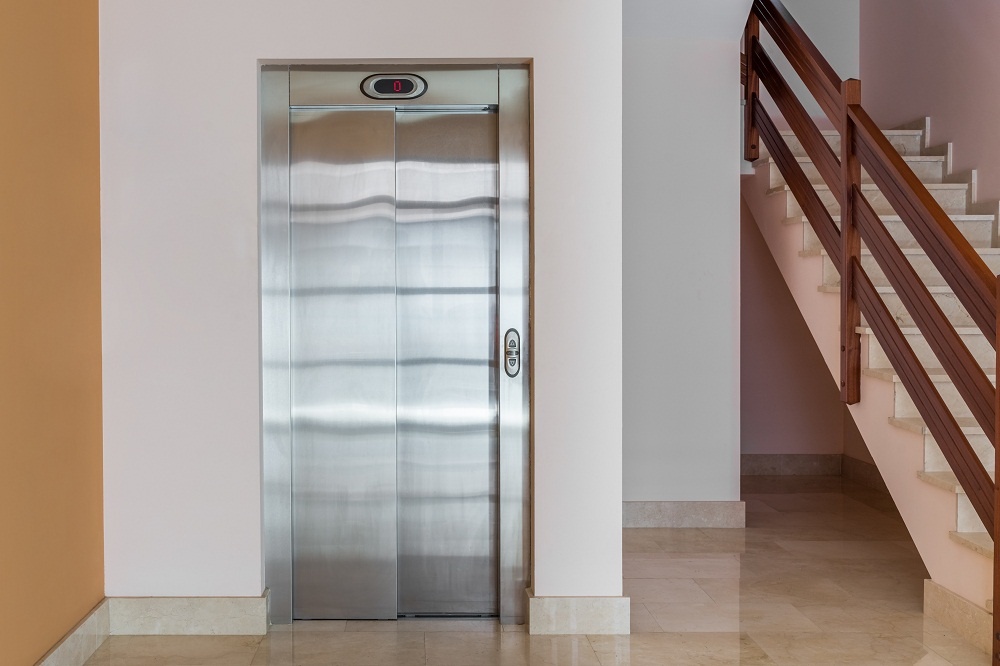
938	59
789	400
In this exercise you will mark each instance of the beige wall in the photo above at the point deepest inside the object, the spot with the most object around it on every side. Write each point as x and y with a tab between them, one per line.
790	402
51	548
938	59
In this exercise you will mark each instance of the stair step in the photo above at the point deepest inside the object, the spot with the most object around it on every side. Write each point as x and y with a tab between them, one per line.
944	296
953	198
967	518
977	229
977	541
928	168
906	142
917	257
934	460
972	337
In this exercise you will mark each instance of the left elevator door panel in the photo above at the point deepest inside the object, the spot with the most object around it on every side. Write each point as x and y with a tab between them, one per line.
343	353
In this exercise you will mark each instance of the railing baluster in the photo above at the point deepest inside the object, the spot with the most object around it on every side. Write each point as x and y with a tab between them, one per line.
850	247
751	146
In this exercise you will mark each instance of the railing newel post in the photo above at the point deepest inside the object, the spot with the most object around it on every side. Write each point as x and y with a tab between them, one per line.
751	146
850	257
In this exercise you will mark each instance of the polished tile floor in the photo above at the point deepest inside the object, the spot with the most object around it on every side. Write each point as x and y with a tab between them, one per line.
825	573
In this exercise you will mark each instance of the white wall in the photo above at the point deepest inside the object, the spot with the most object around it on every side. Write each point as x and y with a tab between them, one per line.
834	27
179	195
681	249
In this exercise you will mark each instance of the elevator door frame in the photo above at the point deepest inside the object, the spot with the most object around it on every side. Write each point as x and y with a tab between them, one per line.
282	87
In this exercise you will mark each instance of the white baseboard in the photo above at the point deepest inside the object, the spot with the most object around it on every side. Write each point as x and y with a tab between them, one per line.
189	616
82	641
577	615
684	514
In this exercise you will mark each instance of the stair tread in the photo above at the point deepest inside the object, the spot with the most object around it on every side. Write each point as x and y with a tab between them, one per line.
936	374
887	132
808	160
977	541
887	289
916	424
913	330
955	217
919	251
943	480
873	187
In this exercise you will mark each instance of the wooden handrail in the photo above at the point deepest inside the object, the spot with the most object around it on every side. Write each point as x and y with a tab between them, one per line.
864	146
952	254
798	119
819	77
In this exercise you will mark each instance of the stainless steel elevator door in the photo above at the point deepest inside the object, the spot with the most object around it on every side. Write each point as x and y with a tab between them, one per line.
394	362
446	368
343	355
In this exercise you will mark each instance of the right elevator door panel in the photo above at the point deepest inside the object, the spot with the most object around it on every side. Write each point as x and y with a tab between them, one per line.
446	365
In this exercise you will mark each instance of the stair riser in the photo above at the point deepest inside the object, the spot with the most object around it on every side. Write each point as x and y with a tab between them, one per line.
920	262
927	171
979	233
908	144
948	303
968	519
934	460
981	350
952	200
905	408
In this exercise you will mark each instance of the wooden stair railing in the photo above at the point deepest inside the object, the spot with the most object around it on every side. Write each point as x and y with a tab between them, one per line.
975	286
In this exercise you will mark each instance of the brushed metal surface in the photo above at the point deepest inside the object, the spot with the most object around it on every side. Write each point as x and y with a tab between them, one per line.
332	85
514	404
341	287
343	344
446	372
276	427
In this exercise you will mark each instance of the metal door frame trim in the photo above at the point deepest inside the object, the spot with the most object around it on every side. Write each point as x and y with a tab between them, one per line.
514	248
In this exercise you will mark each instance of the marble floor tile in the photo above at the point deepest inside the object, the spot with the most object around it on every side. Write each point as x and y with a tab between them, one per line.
824	573
640	620
176	651
389	648
508	649
839	649
422	625
734	617
688	567
664	590
679	649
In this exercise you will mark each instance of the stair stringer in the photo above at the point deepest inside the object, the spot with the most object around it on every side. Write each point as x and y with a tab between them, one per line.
929	512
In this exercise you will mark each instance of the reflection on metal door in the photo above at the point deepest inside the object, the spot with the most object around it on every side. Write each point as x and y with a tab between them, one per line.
394	376
446	269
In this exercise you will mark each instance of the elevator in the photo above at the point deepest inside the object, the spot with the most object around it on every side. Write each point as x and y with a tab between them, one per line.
394	341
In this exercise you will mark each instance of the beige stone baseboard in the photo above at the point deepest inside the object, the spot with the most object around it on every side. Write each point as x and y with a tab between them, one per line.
790	464
82	641
578	615
190	616
684	514
971	622
865	473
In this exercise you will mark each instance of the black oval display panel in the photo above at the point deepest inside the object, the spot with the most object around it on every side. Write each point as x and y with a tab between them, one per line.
390	86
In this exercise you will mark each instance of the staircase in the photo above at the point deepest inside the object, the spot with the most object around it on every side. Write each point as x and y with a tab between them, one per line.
955	545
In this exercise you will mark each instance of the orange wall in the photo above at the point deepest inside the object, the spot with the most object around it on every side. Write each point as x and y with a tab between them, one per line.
51	508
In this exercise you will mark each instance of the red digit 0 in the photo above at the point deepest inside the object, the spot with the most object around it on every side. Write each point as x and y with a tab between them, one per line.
397	86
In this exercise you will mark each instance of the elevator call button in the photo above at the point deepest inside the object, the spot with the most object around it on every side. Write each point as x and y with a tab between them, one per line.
512	352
